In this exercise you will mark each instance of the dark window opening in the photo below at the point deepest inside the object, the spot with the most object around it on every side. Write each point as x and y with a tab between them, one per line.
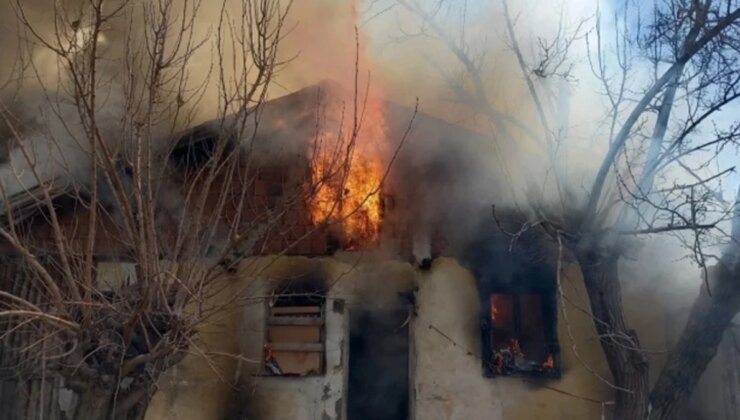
378	365
198	147
520	335
295	336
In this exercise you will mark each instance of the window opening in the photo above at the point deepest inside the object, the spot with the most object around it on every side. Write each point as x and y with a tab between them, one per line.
295	336
521	339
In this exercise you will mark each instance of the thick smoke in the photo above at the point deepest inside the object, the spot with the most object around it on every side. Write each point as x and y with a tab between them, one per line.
449	176
411	61
658	275
456	174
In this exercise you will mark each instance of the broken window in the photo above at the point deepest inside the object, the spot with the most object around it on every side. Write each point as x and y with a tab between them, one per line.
295	336
521	334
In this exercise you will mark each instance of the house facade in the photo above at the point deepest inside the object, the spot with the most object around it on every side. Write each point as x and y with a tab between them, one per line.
436	315
396	342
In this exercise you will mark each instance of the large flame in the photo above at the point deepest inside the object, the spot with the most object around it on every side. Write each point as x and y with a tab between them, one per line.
347	171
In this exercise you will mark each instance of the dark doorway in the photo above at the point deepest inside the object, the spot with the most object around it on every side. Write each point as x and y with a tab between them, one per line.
379	365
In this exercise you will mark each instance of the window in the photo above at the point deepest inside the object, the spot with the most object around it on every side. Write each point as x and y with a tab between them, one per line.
295	336
520	337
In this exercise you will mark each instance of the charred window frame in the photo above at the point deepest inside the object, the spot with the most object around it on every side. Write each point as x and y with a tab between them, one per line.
519	331
295	336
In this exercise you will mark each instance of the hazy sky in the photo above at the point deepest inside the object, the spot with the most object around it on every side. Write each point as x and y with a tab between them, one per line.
478	15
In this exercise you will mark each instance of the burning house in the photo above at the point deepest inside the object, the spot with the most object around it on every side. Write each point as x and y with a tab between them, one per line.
368	310
377	282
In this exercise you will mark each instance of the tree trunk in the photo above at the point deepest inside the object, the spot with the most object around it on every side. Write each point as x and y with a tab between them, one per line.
710	316
626	361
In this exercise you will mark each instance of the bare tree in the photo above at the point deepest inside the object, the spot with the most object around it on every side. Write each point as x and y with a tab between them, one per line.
661	131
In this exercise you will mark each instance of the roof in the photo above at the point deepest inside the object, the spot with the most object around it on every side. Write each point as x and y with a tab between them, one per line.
432	169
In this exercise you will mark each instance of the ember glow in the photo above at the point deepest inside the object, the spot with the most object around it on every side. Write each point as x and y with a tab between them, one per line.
549	363
346	172
514	347
494	310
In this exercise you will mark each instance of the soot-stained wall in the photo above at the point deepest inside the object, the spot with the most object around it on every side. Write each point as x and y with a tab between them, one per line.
446	381
218	379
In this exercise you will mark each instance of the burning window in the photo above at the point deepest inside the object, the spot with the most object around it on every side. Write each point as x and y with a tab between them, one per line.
347	170
295	336
520	337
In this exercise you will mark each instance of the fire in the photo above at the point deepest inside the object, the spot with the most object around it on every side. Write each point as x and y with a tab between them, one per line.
514	347
346	172
499	362
269	355
494	310
549	363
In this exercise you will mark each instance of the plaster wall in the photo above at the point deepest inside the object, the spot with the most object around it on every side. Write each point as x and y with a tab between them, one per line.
301	398
446	382
223	379
449	384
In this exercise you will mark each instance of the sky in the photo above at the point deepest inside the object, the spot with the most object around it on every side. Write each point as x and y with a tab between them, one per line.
478	12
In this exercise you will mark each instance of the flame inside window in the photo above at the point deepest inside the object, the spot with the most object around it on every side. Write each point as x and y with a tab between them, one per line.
549	363
522	339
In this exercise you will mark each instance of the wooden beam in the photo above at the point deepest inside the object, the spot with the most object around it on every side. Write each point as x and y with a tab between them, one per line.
295	310
295	320
309	347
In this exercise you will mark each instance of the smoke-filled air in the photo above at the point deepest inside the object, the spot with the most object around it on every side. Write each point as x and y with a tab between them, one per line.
369	209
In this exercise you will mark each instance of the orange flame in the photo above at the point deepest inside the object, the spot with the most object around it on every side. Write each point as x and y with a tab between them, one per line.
494	310
269	355
347	177
514	347
549	363
499	362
